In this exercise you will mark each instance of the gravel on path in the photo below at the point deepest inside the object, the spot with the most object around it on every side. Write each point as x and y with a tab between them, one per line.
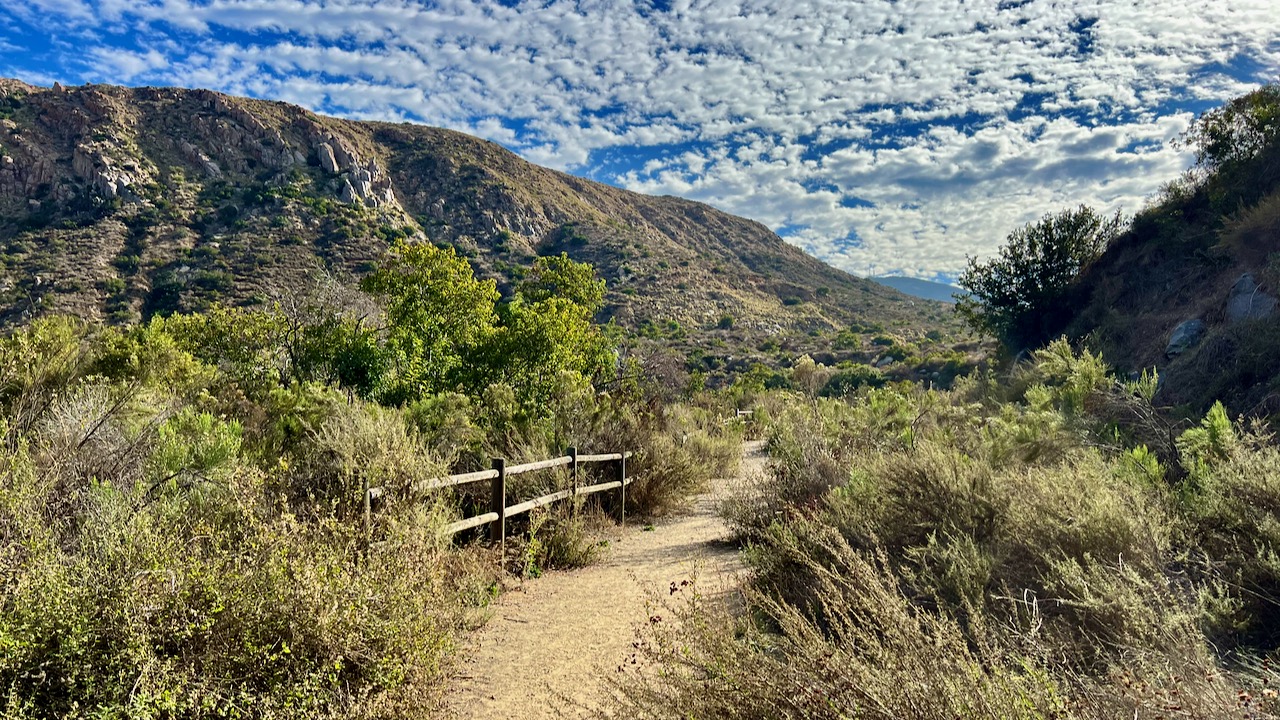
551	642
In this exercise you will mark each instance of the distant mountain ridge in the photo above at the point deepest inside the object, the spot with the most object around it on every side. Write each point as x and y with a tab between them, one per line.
916	287
118	203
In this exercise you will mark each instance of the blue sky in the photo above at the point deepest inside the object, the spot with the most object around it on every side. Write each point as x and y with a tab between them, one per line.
883	136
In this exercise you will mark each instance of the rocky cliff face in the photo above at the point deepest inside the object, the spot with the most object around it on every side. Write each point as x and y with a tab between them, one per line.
116	203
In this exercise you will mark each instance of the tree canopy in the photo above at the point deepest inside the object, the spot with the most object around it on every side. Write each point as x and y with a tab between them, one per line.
447	331
438	313
1016	296
1237	132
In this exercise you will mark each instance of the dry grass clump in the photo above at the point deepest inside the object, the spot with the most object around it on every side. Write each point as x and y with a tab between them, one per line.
872	655
158	560
1004	550
678	450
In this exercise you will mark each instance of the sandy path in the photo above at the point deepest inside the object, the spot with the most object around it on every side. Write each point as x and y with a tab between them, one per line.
557	636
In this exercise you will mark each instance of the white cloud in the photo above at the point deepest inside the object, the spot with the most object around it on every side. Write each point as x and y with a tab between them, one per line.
126	64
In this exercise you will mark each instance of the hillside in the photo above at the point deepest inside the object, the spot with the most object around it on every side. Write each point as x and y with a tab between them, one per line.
925	289
120	203
1191	288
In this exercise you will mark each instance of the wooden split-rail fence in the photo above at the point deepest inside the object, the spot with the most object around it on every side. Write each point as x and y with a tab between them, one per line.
499	511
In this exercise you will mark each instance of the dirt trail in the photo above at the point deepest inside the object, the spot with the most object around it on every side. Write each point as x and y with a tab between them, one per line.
557	636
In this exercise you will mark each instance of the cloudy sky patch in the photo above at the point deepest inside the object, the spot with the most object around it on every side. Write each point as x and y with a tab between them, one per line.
886	137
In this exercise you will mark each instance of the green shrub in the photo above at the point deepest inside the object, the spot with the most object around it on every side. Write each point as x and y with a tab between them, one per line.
847	380
195	599
1018	526
558	538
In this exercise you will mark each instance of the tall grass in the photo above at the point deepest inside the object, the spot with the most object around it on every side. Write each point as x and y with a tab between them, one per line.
1009	549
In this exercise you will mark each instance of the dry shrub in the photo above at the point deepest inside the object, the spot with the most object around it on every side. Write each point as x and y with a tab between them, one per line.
83	435
184	604
1248	234
667	474
357	446
677	452
873	654
1234	531
992	552
840	632
670	470
811	448
561	537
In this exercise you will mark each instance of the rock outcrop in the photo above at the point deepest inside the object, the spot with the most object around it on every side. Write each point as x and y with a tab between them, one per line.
1247	301
1185	336
358	180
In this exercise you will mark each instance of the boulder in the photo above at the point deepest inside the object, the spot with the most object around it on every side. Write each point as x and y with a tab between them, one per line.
346	157
348	193
327	162
210	168
1187	335
1248	302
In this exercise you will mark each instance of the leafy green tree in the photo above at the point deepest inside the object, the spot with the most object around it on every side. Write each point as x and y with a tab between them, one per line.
1237	132
247	345
547	334
438	314
342	351
1237	149
538	342
557	276
1017	296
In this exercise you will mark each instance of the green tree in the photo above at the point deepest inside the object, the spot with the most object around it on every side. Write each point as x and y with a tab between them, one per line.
248	346
1017	297
1237	149
1237	132
557	276
329	337
438	314
342	351
547	332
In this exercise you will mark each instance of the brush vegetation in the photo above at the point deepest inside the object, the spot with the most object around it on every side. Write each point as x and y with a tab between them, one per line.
1042	546
181	501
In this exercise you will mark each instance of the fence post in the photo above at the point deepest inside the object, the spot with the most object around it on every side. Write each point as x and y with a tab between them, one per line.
622	478
498	502
368	516
573	479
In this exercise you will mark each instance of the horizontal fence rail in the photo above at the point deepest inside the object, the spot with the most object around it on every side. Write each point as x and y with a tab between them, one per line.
499	511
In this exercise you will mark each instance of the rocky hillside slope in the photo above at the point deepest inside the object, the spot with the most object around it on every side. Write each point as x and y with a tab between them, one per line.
1192	287
118	203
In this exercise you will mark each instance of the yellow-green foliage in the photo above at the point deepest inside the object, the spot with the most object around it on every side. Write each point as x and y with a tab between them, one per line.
1008	549
181	520
189	597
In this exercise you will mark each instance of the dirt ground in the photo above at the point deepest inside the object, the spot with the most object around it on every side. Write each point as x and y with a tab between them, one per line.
551	642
